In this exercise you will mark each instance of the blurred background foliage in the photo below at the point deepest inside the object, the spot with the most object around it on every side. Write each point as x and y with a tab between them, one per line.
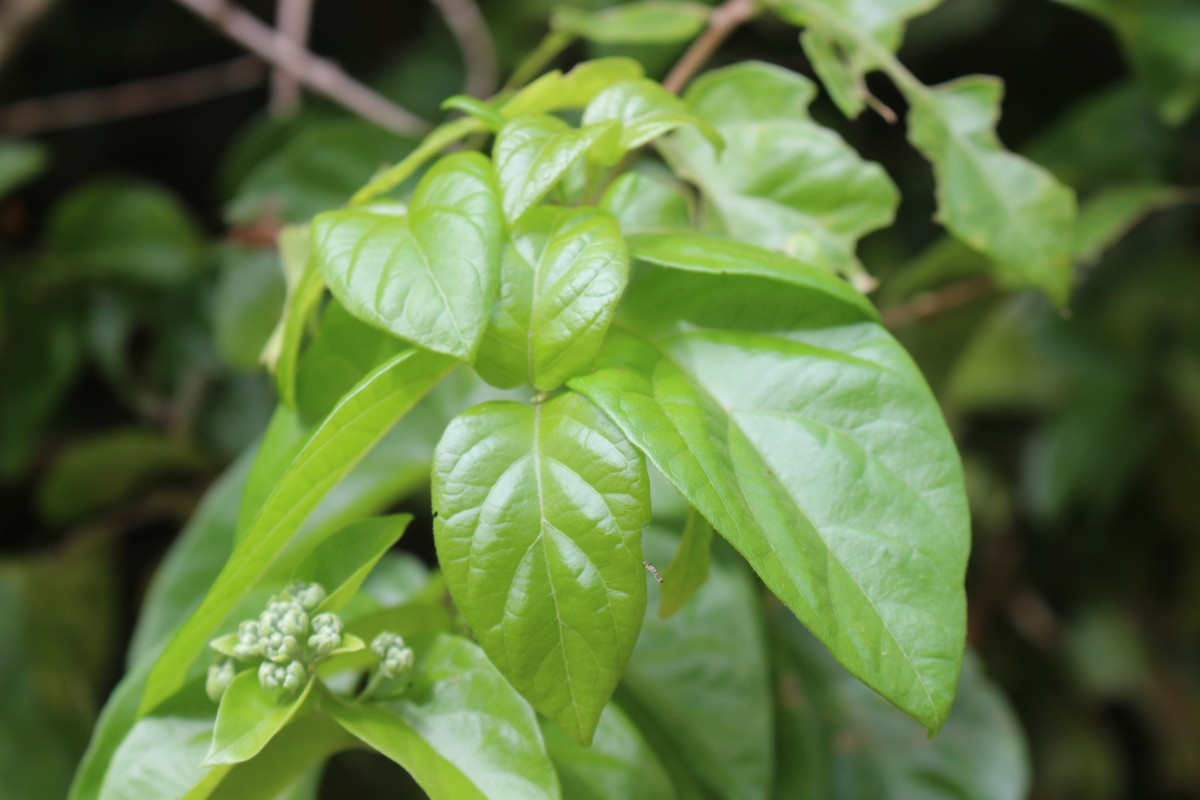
139	282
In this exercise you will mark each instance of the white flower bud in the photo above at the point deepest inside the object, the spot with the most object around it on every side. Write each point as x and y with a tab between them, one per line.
327	634
308	595
295	676
220	675
270	676
249	641
395	659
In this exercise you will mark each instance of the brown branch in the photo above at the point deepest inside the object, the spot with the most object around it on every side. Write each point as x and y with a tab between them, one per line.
132	99
292	18
932	304
725	19
16	16
318	74
469	29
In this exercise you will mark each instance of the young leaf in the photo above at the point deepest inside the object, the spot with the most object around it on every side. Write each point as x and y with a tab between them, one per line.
341	563
782	181
555	91
642	203
429	276
561	277
689	568
460	730
646	111
999	203
618	763
534	152
702	677
351	429
249	716
305	285
646	22
538	531
804	433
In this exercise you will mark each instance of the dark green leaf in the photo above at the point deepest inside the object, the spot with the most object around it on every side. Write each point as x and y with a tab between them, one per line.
249	297
538	530
618	763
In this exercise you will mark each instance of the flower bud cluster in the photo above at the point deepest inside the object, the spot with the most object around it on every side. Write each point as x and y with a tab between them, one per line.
284	638
395	658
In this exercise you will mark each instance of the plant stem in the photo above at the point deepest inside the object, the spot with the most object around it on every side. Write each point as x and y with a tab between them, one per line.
318	74
933	304
725	19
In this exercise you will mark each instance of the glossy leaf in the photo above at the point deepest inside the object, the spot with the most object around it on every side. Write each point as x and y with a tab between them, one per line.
689	567
645	111
249	716
341	563
645	22
782	181
555	91
538	531
618	763
428	276
351	429
1000	204
446	727
804	433
561	277
702	676
534	152
642	203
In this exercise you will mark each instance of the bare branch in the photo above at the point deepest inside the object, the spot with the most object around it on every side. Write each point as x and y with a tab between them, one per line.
932	304
318	74
469	29
132	99
292	18
15	18
724	20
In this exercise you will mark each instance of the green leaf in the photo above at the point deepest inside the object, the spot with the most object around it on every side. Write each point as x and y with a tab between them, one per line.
1107	216
561	277
702	677
642	203
618	763
20	162
534	152
341	563
782	181
305	286
295	751
446	727
428	276
555	91
646	22
438	140
697	252
160	760
248	718
804	433
96	473
999	203
1160	37
979	754
123	229
645	111
351	429
538	532
249	297
689	568
314	171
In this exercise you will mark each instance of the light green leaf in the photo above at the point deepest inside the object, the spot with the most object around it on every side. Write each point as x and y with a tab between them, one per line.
249	716
438	140
808	438
643	203
1160	37
160	760
618	763
979	754
534	152
782	181
446	728
999	203
123	229
1107	216
429	276
304	744
341	563
351	429
689	567
562	275
645	111
305	286
646	22
555	91
697	252
702	677
98	472
20	162
538	532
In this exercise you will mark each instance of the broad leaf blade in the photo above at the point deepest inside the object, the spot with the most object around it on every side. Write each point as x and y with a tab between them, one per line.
646	22
811	443
645	111
429	276
249	717
538	531
341	563
447	728
642	203
618	763
561	277
689	567
555	91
